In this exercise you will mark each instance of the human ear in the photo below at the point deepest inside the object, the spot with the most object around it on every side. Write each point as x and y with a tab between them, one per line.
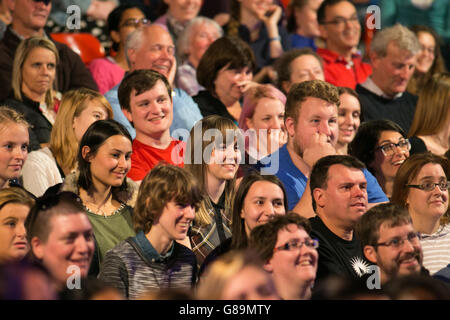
319	197
290	126
370	254
85	153
37	247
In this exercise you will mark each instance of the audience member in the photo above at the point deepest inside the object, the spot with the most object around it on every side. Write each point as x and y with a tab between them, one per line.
417	287
302	23
382	146
25	280
339	198
415	188
430	126
298	65
28	20
153	259
289	254
15	204
429	58
257	23
339	26
34	71
311	122
258	199
213	155
56	217
151	47
393	56
5	17
192	43
14	137
146	100
91	289
262	120
109	71
178	15
238	275
349	113
389	240
225	70
48	166
104	158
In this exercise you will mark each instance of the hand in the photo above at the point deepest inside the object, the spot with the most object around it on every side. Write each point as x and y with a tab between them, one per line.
272	16
247	84
319	147
99	10
172	72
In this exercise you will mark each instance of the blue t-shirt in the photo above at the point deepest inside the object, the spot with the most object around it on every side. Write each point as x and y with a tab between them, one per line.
298	41
280	164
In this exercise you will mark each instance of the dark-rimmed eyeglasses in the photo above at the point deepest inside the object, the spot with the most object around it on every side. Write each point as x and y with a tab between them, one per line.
412	237
340	21
388	149
430	186
46	2
135	22
295	244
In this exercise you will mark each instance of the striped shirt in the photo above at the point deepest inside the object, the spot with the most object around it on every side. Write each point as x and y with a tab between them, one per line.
436	249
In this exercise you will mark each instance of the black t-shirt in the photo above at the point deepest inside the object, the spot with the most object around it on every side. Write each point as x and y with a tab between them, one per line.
336	255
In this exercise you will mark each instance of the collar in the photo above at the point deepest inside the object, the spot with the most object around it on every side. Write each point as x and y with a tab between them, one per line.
176	25
331	56
372	87
150	252
22	37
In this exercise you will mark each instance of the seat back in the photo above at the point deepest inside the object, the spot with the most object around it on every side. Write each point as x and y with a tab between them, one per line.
85	44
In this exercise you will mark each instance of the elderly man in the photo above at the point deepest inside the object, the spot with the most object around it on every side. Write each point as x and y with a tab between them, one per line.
389	240
151	47
339	26
393	55
28	20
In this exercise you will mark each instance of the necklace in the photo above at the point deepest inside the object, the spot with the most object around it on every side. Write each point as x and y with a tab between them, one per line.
100	209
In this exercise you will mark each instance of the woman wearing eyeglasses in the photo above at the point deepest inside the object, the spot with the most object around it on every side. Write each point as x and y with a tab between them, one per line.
382	146
430	129
422	185
109	71
258	199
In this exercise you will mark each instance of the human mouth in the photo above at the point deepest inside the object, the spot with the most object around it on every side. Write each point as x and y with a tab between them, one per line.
398	163
20	244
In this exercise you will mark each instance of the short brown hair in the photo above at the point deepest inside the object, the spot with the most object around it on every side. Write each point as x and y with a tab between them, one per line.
410	169
312	88
368	226
230	51
164	183
263	238
139	81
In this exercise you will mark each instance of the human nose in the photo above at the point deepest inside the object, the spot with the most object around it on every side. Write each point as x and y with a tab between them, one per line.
189	212
21	232
19	153
82	245
324	128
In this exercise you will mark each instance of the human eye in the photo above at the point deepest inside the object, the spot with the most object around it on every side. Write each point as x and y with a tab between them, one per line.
8	146
428	186
24	147
332	120
387	147
413	236
10	223
278	203
363	186
394	242
128	156
89	236
51	66
356	114
98	116
36	64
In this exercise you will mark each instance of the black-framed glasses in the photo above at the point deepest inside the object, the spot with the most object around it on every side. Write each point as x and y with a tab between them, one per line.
341	21
412	237
46	2
135	22
295	244
388	149
430	186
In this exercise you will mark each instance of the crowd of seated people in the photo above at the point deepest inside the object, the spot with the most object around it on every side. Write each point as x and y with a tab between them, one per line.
259	152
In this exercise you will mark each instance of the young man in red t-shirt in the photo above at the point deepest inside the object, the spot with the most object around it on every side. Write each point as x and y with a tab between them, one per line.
145	97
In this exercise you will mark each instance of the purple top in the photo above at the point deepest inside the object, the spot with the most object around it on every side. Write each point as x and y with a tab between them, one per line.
106	73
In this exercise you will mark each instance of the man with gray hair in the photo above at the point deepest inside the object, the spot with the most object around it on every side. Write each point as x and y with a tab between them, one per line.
151	47
383	95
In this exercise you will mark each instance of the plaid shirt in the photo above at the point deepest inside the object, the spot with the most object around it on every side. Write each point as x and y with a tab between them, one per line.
205	239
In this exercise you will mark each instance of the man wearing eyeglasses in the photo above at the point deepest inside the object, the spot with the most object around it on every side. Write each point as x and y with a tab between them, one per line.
339	26
289	254
28	20
383	95
389	240
339	198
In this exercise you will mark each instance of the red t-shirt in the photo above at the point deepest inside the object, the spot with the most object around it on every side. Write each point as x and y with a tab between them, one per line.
342	74
145	157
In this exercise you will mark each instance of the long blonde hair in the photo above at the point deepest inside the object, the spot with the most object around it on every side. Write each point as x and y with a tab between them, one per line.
23	51
199	170
63	142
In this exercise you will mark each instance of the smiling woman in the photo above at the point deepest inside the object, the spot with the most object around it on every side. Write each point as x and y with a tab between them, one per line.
34	70
104	158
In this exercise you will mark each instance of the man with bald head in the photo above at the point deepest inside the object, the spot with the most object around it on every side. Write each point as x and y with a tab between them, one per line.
151	47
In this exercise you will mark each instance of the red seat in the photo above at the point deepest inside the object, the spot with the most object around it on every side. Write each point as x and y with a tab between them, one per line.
85	44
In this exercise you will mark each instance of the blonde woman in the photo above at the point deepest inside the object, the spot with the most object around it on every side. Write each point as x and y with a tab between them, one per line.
14	140
48	166
215	162
430	129
34	72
